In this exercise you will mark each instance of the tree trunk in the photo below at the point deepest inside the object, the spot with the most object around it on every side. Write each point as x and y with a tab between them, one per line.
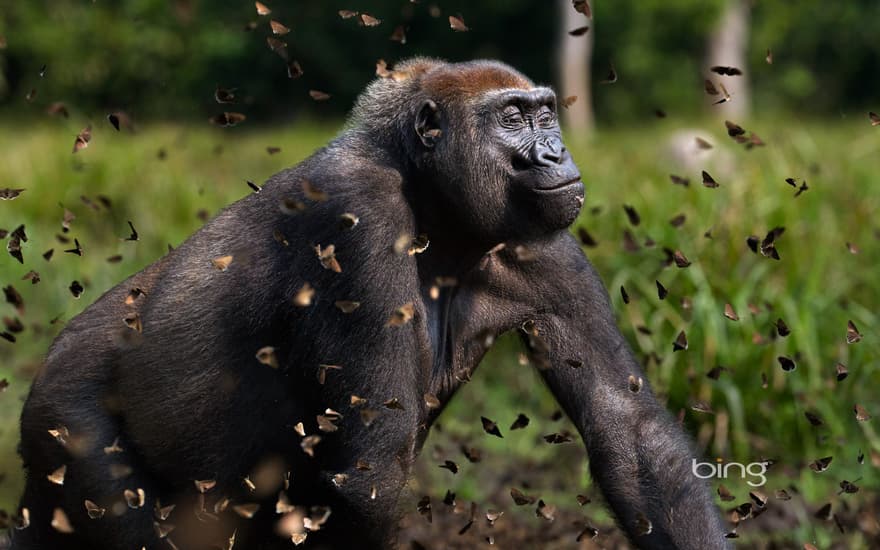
575	54
728	46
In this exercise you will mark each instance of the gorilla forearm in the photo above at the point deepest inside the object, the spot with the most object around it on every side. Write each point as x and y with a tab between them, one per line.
638	454
640	458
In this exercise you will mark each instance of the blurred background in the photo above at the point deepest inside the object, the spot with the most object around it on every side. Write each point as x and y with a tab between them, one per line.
638	84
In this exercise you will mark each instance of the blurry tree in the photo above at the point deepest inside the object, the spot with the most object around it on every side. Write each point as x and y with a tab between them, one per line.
163	59
728	47
575	56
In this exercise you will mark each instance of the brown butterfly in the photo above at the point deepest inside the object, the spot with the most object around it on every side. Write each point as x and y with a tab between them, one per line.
457	23
729	71
490	427
730	313
399	34
227	119
581	6
294	69
318	95
76	289
702	143
787	363
612	76
680	259
262	9
709	181
852	333
369	21
678	180
734	130
875	118
661	290
278	28
710	87
278	47
726	97
681	342
58	108
8	194
224	95
82	139
568	101
382	70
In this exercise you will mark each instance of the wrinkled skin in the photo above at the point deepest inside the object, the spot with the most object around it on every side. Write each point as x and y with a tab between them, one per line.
469	155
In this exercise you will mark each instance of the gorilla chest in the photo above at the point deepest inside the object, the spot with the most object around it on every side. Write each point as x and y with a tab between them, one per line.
461	326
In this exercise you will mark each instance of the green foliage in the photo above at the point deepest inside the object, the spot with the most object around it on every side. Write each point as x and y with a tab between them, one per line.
162	59
816	287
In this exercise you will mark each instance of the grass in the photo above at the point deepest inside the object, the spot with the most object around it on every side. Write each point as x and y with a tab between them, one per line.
816	287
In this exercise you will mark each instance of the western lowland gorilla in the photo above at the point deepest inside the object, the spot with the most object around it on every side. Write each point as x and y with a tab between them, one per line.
274	377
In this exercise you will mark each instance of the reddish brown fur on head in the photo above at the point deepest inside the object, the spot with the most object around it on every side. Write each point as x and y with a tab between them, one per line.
443	80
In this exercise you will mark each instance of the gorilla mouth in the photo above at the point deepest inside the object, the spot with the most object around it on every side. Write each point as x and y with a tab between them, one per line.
567	183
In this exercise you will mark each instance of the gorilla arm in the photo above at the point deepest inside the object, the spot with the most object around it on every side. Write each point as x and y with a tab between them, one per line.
638	454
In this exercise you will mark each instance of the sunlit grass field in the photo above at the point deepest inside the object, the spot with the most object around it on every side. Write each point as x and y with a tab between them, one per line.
166	179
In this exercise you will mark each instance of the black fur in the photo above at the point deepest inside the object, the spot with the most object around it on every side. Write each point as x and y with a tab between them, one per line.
189	400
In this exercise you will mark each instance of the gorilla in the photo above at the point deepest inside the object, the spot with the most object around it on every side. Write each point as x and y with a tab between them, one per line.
271	381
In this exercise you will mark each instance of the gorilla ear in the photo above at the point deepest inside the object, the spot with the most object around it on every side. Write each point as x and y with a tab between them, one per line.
427	124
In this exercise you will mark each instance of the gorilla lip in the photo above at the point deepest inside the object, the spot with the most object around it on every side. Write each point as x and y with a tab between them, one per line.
567	183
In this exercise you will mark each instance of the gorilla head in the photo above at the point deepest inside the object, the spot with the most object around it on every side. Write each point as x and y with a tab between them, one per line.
484	147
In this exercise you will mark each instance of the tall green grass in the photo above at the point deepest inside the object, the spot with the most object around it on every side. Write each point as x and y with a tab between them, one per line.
816	287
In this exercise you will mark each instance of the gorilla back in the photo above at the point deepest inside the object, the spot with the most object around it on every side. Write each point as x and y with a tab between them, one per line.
274	377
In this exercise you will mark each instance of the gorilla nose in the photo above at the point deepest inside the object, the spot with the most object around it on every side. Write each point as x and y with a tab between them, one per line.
548	153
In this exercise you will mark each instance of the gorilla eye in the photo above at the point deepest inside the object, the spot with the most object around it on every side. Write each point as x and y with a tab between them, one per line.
546	118
512	116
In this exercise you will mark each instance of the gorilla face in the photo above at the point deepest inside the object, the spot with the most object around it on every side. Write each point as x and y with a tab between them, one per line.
500	162
544	185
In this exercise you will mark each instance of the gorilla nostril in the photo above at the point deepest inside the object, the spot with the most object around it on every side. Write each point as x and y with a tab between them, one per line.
549	156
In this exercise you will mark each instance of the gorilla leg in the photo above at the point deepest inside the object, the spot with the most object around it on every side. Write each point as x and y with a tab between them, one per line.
92	473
